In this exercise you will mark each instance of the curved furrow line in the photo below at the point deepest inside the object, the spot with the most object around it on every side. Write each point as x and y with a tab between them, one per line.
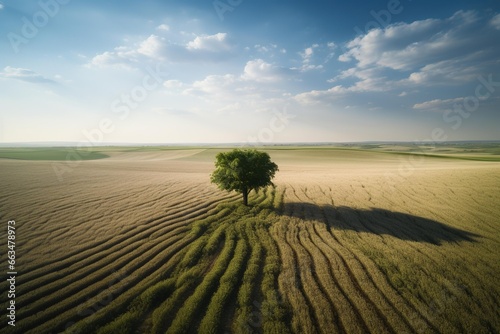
244	321
346	293
304	191
83	192
273	310
188	204
425	250
189	274
134	232
69	254
50	283
357	277
372	282
213	321
162	316
104	245
191	195
86	257
287	210
432	259
167	230
159	198
294	192
380	315
55	228
181	211
347	316
369	314
70	206
185	317
194	211
95	312
56	294
411	196
289	283
442	282
74	296
84	304
321	307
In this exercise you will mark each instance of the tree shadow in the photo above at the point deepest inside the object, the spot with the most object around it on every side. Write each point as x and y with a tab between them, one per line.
378	221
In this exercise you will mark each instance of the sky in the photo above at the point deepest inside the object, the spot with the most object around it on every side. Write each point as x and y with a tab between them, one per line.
249	71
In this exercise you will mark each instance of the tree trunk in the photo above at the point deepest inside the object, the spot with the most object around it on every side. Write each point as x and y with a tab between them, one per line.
245	197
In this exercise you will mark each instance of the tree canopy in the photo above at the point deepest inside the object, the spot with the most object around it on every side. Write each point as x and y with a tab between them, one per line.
243	171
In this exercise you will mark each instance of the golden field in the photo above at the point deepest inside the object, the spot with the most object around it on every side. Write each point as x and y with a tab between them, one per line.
348	241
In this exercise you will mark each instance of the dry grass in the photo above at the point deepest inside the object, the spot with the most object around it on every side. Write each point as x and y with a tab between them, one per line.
349	241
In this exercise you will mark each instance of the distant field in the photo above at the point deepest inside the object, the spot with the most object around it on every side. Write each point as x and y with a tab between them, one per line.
350	239
470	151
52	154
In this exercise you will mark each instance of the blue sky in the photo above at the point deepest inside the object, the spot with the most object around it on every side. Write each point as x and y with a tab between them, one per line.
98	72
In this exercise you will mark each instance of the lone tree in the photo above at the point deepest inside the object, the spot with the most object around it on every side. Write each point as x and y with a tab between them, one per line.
243	170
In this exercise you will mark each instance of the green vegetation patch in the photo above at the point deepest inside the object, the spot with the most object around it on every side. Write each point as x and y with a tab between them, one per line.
52	154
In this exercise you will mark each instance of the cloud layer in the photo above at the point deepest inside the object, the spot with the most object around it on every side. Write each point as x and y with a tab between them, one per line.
404	56
205	48
24	74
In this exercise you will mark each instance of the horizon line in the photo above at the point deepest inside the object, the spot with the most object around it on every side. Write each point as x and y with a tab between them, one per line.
255	144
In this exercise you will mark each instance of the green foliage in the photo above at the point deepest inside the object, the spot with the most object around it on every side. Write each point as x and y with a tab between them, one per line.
153	295
243	171
192	306
125	324
211	322
194	252
163	314
215	238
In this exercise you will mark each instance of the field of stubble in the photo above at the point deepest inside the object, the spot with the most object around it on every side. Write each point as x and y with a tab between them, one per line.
347	241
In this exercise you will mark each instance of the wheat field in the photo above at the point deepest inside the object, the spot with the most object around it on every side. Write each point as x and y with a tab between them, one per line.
347	241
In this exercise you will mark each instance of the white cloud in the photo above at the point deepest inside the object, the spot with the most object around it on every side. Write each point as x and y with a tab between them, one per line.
450	51
206	48
120	57
269	50
211	43
495	22
316	56
308	53
452	71
266	48
213	85
321	96
248	84
260	71
163	27
229	93
1	6
406	46
173	84
24	74
393	47
153	47
438	104
253	91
